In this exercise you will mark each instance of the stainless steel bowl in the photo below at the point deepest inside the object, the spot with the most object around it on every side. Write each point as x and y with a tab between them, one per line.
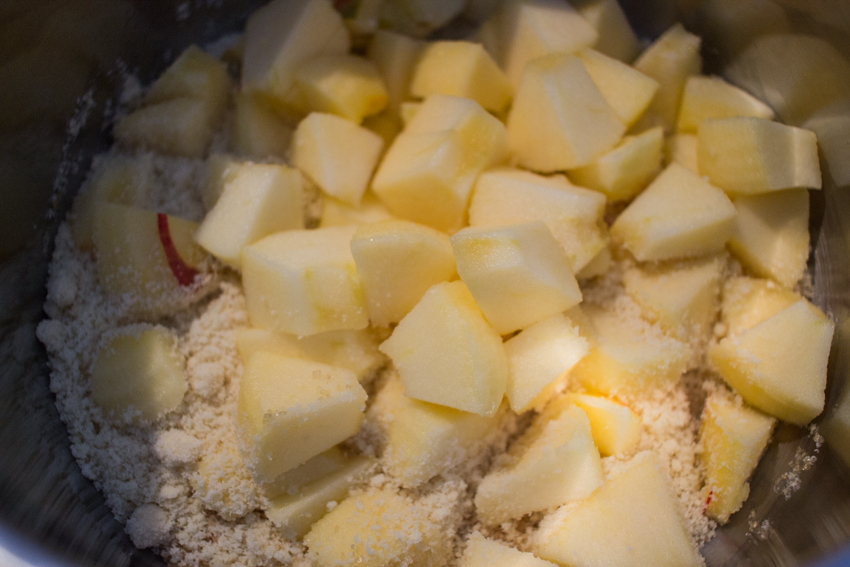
62	66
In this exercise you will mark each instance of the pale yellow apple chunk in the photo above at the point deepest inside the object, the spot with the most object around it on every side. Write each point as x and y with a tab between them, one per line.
423	439
628	355
733	437
771	236
749	301
483	552
517	274
290	410
836	427
258	200
749	156
304	282
179	127
779	365
670	60
573	214
337	155
377	528
626	90
682	299
337	213
282	35
709	98
560	120
139	373
680	215
464	69
427	174
626	170
560	465
354	350
293	481
615	427
295	514
258	131
219	171
632	521
617	39
471	370
538	357
398	261
396	56
346	85
682	149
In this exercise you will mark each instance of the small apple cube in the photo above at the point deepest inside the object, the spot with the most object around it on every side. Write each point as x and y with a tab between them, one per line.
560	119
680	215
483	552
180	127
290	410
628	355
626	170
396	56
771	236
538	357
337	213
139	373
627	91
280	37
749	301
219	171
682	149
304	282
149	258
258	200
424	440
293	481
573	214
517	274
632	521
617	39
709	98
615	427
471	371
427	174
670	60
683	300
398	261
337	155
779	365
295	514
346	85
733	437
561	465
749	156
258	131
464	69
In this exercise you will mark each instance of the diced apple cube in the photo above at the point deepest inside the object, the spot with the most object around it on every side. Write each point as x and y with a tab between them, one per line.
670	60
771	236
346	85
626	170
517	274
708	98
337	155
258	131
398	261
290	410
632	521
258	200
180	127
471	371
293	481
282	35
779	365
464	69
682	149
559	119
615	427
337	213
749	301
680	215
573	214
616	37
561	465
748	156
483	552
149	258
295	514
683	300
626	90
304	282
419	18
733	438
428	173
396	56
538	357
627	355
424	440
219	171
139	373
